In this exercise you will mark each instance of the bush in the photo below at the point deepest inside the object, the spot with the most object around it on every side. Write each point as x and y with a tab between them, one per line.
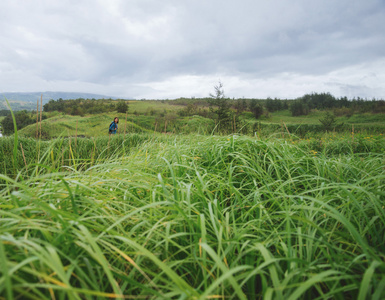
23	119
329	121
298	108
122	107
256	108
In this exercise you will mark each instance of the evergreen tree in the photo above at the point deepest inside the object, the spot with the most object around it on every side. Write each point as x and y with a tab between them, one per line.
299	108
256	108
220	109
329	121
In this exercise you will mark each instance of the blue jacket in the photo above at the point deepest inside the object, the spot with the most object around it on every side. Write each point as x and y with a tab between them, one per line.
113	128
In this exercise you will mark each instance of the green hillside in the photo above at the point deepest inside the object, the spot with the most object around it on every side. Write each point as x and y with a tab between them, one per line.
150	118
301	117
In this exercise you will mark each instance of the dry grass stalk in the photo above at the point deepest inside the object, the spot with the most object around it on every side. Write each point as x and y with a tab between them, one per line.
282	132
41	111
108	146
37	118
69	149
235	126
25	161
286	128
93	153
125	126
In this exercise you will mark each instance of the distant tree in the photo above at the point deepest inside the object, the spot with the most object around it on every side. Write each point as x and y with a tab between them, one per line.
256	108
7	125
329	121
122	107
23	119
319	101
273	105
220	108
379	107
298	108
77	111
80	106
5	112
240	105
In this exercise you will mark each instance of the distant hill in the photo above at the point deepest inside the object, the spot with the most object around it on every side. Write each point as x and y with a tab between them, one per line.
28	100
27	97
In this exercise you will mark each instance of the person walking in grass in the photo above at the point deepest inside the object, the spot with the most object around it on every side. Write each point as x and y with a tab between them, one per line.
114	126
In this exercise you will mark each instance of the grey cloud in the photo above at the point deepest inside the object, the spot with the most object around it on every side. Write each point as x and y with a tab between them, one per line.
142	42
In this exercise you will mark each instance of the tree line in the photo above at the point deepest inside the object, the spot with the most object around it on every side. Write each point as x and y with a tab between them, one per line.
340	106
23	118
225	112
80	107
299	106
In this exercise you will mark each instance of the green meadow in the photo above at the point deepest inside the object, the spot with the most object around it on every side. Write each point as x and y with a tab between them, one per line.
167	117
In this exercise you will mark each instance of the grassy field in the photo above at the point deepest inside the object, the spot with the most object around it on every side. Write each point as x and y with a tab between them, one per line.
163	118
285	116
314	116
97	125
151	216
148	105
66	125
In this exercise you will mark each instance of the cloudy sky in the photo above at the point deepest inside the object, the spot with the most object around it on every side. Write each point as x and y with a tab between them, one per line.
182	48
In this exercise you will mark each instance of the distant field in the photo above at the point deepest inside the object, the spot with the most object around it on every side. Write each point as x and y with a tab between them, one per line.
285	116
162	116
365	119
314	117
146	106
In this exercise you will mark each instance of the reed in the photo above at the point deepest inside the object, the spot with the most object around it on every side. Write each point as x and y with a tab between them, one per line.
41	112
37	118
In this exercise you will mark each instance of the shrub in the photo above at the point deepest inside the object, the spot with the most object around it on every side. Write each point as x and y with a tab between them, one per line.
122	107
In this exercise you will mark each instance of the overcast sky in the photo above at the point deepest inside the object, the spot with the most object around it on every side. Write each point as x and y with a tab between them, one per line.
181	48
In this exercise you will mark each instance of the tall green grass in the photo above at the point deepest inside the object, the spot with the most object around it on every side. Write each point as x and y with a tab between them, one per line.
62	153
80	153
195	217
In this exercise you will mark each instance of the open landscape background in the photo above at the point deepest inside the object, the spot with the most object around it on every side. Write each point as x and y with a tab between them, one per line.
89	117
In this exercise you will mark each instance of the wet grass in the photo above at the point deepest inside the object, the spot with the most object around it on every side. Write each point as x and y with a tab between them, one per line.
196	217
